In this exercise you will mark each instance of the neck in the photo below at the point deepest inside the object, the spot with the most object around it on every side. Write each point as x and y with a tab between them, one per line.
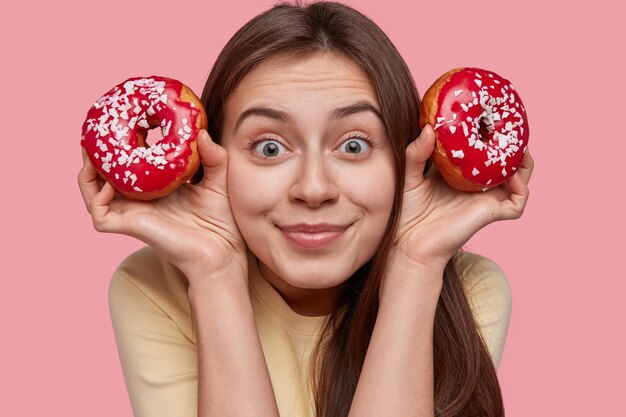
313	302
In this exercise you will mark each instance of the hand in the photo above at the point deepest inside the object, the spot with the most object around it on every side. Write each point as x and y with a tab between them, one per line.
193	227
437	220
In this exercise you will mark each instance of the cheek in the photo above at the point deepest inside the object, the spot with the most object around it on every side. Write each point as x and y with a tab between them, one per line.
372	189
252	191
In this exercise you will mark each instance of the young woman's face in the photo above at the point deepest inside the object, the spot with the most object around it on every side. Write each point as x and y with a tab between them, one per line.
311	174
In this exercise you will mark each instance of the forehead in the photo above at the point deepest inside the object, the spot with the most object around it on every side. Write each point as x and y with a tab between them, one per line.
323	77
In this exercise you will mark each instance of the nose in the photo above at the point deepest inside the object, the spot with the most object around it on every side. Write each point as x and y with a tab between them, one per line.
314	183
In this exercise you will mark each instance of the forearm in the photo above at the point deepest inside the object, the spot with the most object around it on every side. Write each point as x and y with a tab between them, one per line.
397	376
232	373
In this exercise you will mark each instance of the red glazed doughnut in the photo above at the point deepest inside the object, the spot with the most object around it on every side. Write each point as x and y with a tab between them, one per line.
114	136
480	126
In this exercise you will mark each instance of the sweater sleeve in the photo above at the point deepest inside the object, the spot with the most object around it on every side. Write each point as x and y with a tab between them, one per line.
150	316
489	295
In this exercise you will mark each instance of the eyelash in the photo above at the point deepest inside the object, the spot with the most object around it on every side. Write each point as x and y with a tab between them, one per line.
251	144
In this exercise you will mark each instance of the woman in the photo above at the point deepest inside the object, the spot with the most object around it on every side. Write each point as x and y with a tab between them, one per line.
313	269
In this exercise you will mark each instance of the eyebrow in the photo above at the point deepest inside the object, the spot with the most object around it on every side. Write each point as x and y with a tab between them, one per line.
338	113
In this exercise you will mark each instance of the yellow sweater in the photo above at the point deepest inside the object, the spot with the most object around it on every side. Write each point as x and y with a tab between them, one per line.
151	318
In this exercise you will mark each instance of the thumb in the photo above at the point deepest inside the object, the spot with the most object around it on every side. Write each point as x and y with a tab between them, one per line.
214	160
417	154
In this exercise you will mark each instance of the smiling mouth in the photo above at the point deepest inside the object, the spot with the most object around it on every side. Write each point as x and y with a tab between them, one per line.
313	236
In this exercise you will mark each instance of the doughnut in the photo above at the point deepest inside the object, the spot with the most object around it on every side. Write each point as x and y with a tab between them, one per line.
115	130
480	125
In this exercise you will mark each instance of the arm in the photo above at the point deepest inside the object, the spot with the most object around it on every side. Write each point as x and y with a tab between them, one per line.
436	220
233	379
397	378
194	229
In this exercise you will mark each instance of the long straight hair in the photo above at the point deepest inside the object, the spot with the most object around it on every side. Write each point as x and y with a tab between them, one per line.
464	375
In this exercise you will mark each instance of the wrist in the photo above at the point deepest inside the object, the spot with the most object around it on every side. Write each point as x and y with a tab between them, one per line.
406	276
232	278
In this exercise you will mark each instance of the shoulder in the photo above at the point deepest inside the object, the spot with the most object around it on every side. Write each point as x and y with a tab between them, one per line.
489	295
151	320
481	276
143	282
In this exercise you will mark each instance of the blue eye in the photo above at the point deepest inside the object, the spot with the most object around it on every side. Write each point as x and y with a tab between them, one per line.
269	148
355	145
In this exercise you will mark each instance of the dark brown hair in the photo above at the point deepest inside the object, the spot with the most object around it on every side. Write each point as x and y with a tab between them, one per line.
465	378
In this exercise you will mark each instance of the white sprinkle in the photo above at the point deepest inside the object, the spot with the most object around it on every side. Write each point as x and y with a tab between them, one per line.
457	93
452	129
503	140
437	126
478	82
166	129
475	172
504	172
458	154
185	121
465	108
465	129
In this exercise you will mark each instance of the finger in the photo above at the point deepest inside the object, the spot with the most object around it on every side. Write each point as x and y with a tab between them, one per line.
100	206
526	168
214	161
88	182
518	197
417	154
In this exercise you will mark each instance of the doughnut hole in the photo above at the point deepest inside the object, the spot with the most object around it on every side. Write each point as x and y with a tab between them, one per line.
484	132
149	137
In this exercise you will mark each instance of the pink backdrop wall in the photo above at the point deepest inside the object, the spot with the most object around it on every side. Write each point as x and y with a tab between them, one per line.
564	353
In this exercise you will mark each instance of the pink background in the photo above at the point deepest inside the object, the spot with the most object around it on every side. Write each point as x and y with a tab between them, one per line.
564	353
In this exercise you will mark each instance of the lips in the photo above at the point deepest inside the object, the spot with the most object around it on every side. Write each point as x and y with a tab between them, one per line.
313	236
